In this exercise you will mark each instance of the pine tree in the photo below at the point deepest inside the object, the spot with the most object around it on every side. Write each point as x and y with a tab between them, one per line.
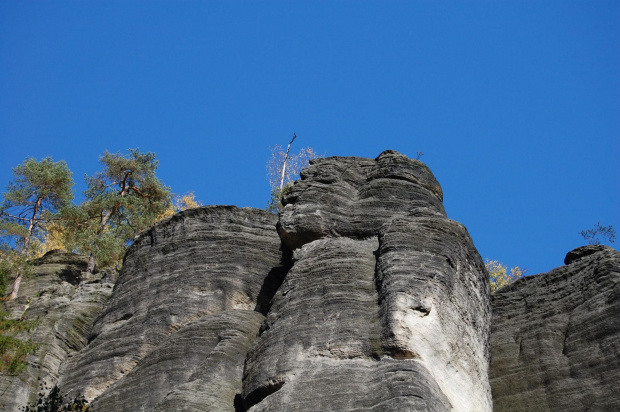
122	200
39	189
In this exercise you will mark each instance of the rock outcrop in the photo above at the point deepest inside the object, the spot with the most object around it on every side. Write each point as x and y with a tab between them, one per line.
556	337
386	306
360	296
64	305
188	303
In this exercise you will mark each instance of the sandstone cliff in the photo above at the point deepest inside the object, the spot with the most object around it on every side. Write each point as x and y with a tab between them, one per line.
386	306
366	297
556	337
188	303
360	296
64	304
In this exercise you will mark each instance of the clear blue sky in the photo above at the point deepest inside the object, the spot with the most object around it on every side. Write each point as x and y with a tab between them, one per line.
516	105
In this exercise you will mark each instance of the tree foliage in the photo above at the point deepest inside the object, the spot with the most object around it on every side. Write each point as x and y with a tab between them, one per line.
180	203
123	199
39	189
500	276
593	236
13	351
54	401
283	169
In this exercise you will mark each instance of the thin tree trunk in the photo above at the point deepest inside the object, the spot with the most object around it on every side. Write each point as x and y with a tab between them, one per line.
16	284
31	224
91	258
288	148
105	219
18	279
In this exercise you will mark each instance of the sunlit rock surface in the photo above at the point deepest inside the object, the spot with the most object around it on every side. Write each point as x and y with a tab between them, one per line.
386	306
361	295
556	337
190	297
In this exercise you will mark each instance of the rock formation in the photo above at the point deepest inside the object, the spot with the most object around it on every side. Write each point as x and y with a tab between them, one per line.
386	306
64	304
188	302
360	295
366	297
556	337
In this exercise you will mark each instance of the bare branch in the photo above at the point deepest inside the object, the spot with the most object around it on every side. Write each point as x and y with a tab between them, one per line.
288	149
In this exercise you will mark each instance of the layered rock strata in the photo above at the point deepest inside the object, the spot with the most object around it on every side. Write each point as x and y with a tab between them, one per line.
386	306
363	295
556	337
64	304
188	302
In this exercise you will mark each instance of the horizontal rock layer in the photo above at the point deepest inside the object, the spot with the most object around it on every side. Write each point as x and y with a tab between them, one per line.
64	305
191	287
353	197
386	306
556	337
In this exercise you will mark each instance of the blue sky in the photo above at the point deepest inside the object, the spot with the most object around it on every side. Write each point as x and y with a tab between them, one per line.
516	105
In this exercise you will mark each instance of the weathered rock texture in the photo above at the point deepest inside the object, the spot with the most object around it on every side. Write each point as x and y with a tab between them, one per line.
556	337
386	306
64	304
365	297
188	303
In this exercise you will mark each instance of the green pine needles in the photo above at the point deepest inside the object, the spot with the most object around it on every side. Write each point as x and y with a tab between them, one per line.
13	351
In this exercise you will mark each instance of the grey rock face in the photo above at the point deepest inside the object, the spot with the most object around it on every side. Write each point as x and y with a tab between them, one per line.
353	197
556	337
367	297
64	304
583	251
189	297
386	306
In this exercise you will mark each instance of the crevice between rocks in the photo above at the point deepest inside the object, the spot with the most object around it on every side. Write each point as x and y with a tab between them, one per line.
273	281
379	287
258	395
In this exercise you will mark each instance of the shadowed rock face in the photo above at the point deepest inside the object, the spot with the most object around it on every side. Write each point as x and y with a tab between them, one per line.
386	306
64	304
186	306
556	337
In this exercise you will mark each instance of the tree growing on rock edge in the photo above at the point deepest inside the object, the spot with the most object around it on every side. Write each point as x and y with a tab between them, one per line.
39	189
500	276
122	200
283	169
593	236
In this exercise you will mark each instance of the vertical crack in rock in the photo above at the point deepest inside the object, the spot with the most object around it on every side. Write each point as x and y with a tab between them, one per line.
189	299
564	346
364	298
273	281
325	312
